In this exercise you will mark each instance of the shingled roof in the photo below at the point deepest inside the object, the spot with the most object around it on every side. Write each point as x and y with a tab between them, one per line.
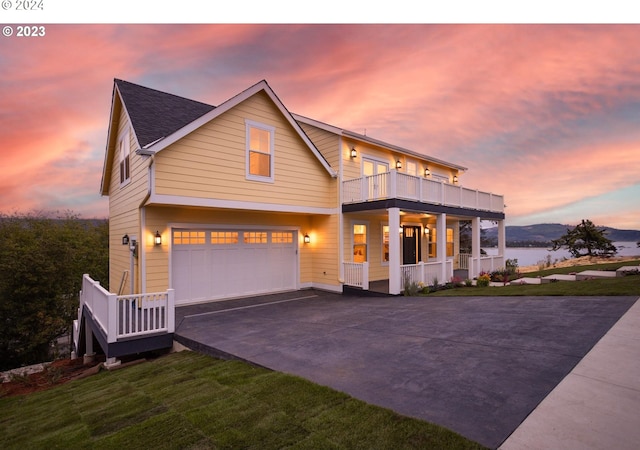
156	114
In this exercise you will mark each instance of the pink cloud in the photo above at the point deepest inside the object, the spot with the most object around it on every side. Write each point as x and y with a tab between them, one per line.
538	112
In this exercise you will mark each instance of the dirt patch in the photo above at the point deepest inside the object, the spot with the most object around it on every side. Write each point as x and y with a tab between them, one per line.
54	374
582	261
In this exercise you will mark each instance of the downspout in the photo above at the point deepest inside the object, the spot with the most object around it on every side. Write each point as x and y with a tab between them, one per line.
143	226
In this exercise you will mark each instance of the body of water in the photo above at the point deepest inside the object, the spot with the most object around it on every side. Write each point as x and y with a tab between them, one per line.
529	256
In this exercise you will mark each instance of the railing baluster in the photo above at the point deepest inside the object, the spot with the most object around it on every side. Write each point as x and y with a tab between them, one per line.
395	184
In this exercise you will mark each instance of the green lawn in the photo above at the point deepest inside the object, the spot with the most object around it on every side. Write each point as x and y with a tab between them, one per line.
188	400
628	285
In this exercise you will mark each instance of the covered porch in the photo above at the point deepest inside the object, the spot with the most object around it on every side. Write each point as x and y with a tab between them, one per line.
400	229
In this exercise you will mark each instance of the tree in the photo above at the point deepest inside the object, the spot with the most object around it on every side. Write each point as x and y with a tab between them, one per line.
42	260
585	240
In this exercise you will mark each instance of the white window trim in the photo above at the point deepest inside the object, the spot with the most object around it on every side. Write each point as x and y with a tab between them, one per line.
382	225
440	177
417	164
272	131
367	244
375	160
124	148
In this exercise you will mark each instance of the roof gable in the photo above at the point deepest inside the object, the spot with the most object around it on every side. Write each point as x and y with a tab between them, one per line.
156	114
164	142
159	119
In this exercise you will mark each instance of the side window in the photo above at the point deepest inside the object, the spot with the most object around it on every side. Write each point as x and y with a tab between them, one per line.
385	243
260	158
449	241
412	168
125	158
432	243
359	242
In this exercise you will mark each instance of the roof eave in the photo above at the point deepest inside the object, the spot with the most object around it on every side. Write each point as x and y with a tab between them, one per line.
163	143
402	150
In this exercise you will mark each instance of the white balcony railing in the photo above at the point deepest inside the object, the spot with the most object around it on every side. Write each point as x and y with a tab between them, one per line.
394	184
125	316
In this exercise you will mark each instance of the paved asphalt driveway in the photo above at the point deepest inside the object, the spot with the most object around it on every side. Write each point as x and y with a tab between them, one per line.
476	365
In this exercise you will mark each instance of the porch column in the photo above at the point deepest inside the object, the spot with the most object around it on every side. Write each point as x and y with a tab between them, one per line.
395	280
502	241
474	270
441	246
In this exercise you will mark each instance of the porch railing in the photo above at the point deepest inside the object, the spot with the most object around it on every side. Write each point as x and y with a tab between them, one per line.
491	263
125	316
394	184
427	273
464	261
356	274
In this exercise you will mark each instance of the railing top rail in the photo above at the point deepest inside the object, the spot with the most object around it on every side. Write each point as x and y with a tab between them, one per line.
144	294
490	201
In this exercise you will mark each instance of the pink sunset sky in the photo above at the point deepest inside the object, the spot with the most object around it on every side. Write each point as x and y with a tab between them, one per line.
548	115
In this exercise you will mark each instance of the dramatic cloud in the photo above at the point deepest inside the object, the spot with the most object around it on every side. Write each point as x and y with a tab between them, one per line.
548	115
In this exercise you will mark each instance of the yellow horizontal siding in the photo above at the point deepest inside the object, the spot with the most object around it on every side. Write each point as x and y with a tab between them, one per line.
124	202
211	162
316	258
327	143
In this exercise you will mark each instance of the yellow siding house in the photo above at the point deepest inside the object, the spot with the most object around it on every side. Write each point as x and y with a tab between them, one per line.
246	198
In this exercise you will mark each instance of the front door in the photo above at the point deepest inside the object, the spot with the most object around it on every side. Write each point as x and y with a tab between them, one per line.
411	244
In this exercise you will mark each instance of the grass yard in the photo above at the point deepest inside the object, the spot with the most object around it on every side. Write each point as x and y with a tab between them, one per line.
188	400
627	285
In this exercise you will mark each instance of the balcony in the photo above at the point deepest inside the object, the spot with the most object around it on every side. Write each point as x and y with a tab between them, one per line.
122	324
398	185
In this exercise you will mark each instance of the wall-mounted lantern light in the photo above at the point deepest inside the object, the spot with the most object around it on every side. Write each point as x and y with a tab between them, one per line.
125	239
455	178
157	239
398	165
426	230
354	153
427	172
401	229
307	238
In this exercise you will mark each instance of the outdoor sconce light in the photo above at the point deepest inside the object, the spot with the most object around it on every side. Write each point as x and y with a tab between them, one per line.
307	239
125	239
401	229
398	164
455	178
354	153
426	230
427	172
157	240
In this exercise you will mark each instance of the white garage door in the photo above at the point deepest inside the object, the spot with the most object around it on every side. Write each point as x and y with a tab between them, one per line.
216	264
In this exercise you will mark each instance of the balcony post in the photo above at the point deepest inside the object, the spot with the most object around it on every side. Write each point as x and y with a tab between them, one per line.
112	318
395	282
474	269
171	310
502	239
364	189
441	244
393	184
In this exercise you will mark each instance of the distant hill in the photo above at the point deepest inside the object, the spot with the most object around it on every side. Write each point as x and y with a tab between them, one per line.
546	232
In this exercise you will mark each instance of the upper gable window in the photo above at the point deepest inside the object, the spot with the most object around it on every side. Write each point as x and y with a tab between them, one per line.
260	138
125	158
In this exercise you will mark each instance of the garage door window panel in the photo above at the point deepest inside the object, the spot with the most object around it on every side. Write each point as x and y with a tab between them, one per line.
188	237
